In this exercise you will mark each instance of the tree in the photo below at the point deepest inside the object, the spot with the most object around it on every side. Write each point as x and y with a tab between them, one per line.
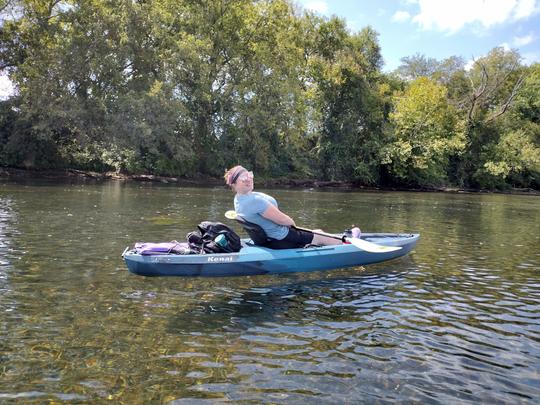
416	66
515	157
346	72
495	81
426	134
265	123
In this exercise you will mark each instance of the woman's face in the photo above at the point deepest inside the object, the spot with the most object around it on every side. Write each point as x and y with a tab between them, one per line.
244	183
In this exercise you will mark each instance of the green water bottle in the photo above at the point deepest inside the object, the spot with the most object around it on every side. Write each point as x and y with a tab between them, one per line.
221	240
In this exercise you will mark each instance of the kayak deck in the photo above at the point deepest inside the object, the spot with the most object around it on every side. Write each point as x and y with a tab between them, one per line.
257	260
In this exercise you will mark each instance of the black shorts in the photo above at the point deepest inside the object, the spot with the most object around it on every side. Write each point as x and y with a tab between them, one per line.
294	239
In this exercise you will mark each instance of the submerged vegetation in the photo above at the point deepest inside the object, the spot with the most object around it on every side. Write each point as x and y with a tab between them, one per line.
190	87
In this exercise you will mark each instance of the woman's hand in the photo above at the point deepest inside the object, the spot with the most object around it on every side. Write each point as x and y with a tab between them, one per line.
273	214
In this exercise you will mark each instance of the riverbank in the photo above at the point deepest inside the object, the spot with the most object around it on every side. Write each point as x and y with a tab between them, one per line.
80	175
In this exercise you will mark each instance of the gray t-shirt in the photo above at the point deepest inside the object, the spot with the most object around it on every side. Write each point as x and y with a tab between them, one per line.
251	206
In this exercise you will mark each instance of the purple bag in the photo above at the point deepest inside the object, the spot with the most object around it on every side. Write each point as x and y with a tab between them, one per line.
163	248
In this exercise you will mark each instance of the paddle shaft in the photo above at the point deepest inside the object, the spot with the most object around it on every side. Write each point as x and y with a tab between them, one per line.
329	235
359	243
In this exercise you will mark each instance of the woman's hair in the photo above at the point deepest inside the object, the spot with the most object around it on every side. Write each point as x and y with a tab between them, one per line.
233	173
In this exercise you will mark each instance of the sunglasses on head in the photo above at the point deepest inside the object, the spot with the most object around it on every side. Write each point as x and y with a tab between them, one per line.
244	176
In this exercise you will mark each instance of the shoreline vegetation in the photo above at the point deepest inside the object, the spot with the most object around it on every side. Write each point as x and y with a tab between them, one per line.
183	89
81	175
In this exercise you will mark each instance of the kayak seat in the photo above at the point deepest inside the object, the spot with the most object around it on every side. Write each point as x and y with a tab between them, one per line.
255	232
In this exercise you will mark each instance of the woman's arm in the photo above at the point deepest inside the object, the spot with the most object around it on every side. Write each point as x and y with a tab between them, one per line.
273	214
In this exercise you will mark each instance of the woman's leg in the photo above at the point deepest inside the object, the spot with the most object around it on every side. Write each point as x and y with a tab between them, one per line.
325	240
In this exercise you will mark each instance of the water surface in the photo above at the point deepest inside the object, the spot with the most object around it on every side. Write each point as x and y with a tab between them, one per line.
457	321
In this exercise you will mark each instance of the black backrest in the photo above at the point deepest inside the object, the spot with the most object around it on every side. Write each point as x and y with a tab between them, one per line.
255	232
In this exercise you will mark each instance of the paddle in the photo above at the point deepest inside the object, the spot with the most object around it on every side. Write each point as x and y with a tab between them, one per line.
357	242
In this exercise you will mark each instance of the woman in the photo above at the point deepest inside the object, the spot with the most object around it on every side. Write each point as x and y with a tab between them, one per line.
262	209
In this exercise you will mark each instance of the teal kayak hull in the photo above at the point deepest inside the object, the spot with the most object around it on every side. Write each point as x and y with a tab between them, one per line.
256	260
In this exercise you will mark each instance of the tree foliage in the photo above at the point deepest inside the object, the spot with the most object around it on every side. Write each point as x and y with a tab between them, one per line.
426	133
190	87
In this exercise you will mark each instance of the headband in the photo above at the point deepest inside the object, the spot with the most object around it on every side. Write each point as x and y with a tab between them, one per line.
234	174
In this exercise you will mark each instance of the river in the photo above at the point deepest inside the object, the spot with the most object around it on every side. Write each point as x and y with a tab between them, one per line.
456	321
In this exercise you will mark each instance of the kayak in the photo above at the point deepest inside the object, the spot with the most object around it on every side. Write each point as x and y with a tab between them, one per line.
257	260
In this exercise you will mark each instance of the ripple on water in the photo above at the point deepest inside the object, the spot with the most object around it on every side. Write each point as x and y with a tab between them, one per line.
455	322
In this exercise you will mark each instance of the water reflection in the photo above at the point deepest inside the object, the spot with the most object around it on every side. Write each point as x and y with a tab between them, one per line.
8	254
237	310
7	218
346	330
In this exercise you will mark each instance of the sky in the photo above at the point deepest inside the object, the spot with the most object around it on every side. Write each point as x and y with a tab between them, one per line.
433	28
441	28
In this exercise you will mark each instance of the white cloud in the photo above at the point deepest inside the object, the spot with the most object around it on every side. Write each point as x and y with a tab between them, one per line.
317	5
531	57
453	16
354	25
518	42
524	9
469	65
401	16
522	41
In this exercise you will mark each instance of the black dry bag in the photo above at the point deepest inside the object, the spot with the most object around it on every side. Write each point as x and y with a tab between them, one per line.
214	237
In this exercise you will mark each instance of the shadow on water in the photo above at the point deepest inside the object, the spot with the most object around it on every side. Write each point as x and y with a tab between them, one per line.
237	310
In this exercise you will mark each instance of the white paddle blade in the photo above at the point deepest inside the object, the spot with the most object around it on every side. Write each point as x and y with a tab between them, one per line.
230	214
372	247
